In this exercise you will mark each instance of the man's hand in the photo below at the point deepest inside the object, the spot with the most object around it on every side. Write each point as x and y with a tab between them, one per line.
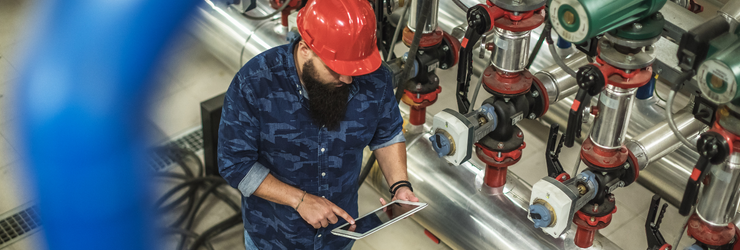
320	212
404	194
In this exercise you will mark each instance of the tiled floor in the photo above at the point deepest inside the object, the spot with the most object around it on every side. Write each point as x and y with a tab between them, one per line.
189	74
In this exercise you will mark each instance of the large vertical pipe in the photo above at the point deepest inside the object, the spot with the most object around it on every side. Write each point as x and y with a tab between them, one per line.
414	13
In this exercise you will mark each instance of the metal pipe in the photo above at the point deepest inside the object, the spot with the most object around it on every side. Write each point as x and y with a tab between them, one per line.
718	202
511	53
731	12
558	83
658	141
415	12
611	123
465	213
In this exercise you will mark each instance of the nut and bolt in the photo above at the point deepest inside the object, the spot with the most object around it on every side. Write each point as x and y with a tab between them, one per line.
604	45
596	208
520	134
627	165
500	145
620	184
590	77
532	116
535	93
444	66
629	58
611	197
638	26
445	48
593	219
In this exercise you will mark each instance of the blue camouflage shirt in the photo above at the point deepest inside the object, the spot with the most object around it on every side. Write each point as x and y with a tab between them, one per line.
266	128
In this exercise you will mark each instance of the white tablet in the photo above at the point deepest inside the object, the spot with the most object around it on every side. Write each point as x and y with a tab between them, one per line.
378	219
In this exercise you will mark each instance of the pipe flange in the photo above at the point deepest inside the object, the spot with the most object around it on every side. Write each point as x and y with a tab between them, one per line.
518	5
638	150
610	55
630	43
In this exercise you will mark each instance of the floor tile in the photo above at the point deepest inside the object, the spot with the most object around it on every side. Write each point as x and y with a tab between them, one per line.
8	153
196	66
215	85
15	188
8	104
176	113
361	245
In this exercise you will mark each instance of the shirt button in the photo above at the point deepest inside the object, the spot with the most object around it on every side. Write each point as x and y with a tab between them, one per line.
323	149
323	197
319	235
323	174
300	92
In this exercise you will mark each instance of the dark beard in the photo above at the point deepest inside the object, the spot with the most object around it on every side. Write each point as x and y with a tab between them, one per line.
327	103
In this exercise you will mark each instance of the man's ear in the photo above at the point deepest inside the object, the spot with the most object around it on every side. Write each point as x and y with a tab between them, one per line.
305	51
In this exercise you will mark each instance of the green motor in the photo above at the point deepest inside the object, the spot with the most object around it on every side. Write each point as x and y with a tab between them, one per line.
578	20
719	75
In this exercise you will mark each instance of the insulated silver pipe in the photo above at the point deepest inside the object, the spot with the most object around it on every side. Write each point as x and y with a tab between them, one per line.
658	141
465	213
560	84
414	14
718	202
611	123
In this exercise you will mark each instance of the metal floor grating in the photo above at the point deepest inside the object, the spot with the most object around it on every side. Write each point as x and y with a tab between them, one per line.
18	224
161	158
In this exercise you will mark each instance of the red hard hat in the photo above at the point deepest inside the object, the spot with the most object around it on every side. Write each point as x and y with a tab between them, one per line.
342	34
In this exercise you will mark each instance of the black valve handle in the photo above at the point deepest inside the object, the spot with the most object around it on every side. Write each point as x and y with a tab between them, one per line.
479	22
712	148
554	168
652	227
591	81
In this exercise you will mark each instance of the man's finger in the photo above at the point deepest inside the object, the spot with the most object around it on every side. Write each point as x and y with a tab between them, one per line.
316	225
324	223
382	201
339	211
332	219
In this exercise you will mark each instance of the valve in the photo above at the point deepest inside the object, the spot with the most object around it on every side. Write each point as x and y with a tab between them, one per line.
455	134
713	149
591	81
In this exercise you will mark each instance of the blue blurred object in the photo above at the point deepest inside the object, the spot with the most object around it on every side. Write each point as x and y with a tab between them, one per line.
647	90
562	43
82	104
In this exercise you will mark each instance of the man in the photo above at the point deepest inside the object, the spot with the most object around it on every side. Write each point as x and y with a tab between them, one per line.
295	121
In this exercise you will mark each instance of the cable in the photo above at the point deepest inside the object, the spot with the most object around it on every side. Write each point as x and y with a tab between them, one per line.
536	49
461	5
669	110
188	233
217	229
551	45
397	31
475	95
285	5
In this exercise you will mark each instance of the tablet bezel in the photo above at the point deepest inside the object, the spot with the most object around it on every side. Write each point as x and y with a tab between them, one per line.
356	236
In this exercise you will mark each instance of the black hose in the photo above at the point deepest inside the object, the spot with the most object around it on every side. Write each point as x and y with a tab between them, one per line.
413	49
184	233
536	49
198	205
187	183
222	226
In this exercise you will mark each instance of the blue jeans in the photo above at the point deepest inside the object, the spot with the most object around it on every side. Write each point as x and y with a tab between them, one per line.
250	244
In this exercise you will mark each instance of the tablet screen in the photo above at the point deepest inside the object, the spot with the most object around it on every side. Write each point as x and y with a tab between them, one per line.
365	224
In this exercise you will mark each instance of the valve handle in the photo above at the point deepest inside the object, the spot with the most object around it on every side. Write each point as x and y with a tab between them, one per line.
554	168
591	81
712	148
652	227
479	22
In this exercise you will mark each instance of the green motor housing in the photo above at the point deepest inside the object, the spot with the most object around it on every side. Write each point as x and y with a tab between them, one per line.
719	75
579	20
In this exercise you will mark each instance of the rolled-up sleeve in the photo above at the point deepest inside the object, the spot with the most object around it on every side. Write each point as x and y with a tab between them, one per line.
390	125
238	139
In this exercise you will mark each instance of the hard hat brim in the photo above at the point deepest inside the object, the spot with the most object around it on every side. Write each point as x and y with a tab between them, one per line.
365	66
